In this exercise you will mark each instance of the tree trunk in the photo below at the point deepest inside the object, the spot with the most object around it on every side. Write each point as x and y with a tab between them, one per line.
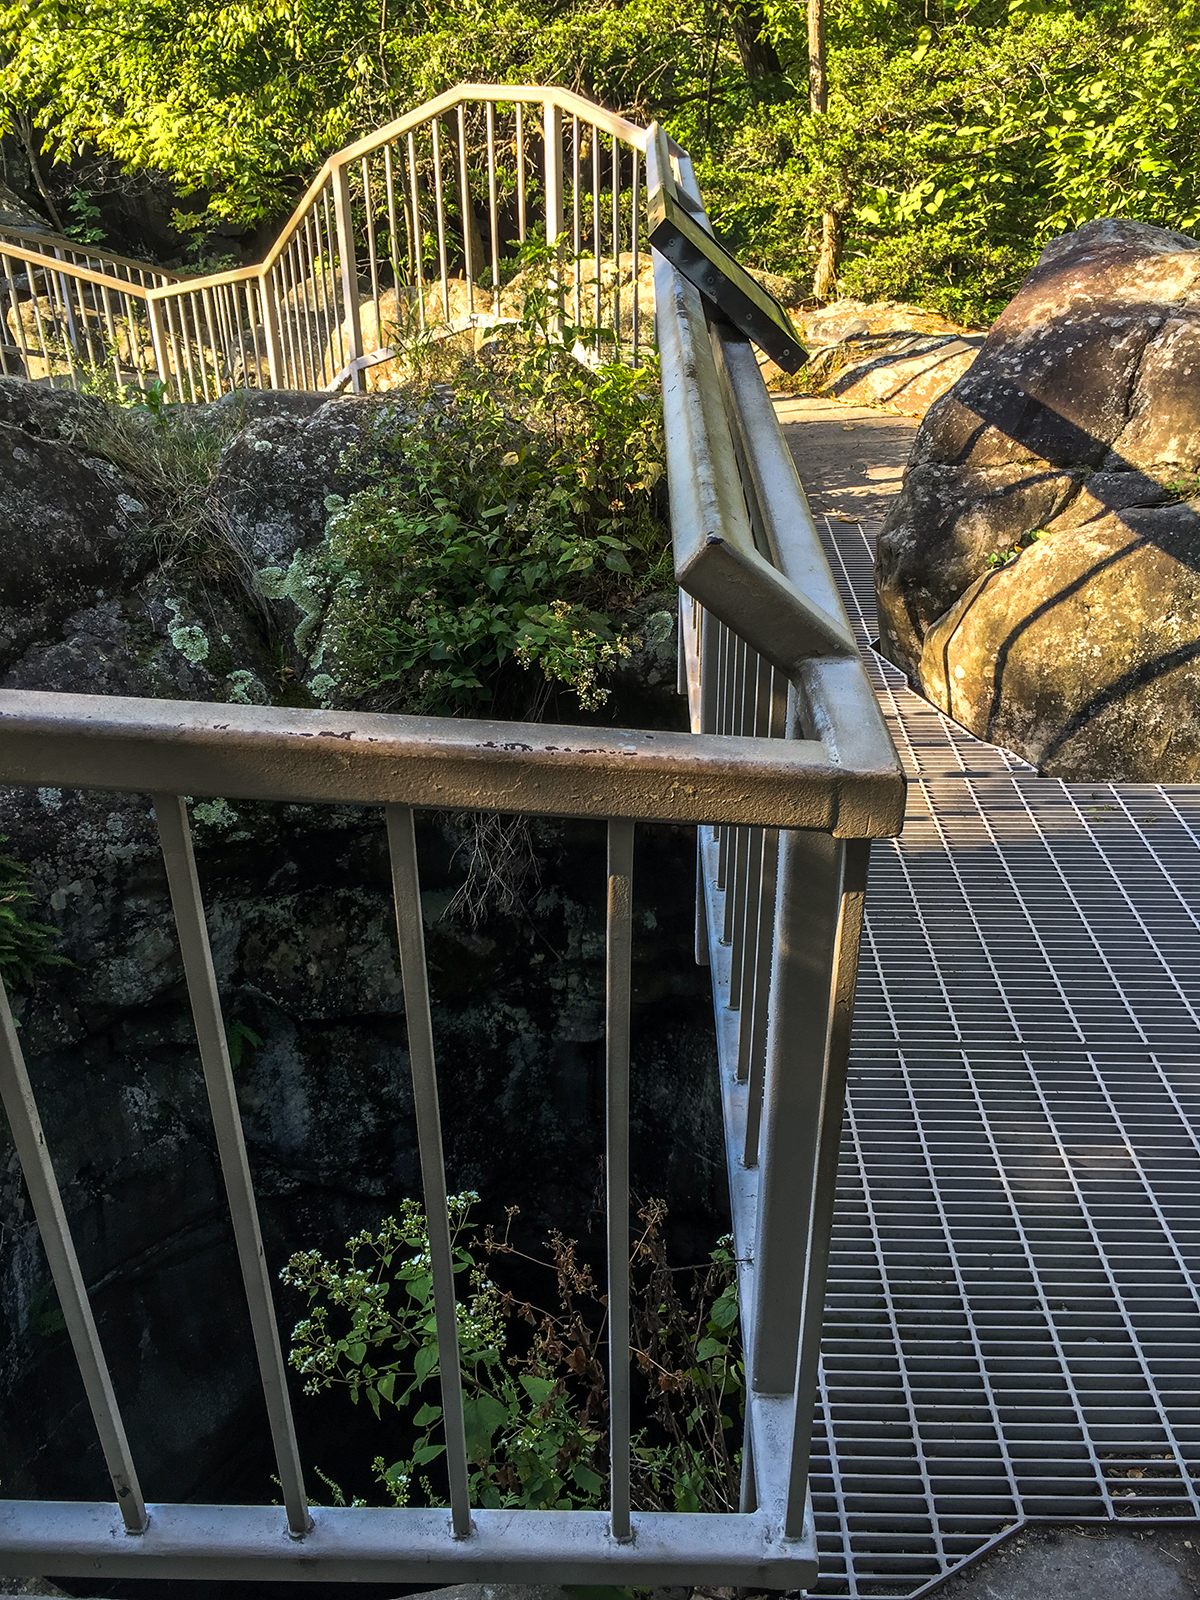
825	280
24	129
759	57
818	89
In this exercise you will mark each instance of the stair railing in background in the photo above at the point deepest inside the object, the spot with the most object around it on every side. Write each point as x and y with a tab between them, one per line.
422	230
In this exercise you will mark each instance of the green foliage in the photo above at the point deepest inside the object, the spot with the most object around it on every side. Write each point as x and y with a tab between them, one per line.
535	1417
24	945
84	218
525	1443
959	137
957	144
241	1041
506	526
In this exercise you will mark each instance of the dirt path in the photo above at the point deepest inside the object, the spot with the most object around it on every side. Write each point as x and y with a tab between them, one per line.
850	458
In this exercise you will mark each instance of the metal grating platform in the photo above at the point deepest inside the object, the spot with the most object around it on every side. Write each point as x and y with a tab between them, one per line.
1013	1325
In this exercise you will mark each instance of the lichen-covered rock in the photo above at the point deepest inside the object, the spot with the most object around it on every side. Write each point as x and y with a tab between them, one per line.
302	927
1037	576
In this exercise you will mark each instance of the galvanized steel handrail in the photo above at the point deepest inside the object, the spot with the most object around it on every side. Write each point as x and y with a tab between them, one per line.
788	772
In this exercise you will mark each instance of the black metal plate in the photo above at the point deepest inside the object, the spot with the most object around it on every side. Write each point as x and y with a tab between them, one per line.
722	281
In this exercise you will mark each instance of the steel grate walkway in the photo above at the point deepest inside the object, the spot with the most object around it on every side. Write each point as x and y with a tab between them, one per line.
1013	1325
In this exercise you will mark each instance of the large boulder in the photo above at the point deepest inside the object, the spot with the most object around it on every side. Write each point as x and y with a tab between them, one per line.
1039	575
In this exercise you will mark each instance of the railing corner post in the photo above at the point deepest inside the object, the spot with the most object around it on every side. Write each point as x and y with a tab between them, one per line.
270	310
158	337
349	265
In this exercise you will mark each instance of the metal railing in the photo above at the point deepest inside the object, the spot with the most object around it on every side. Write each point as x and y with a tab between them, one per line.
70	312
426	229
788	774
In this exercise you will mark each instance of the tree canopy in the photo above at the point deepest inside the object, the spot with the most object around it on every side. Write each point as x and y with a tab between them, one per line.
957	139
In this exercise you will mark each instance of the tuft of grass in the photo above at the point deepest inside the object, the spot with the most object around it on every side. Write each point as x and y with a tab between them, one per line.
169	454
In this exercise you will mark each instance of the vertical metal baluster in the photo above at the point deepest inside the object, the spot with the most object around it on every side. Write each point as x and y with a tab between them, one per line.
841	1006
521	223
747	972
752	1044
468	212
576	241
418	240
493	211
225	302
16	1093
284	301
309	303
137	354
110	324
341	276
58	317
616	245
700	938
208	301
179	307
750	1065
14	311
290	263
634	247
406	886
257	315
239	332
735	862
305	288
262	308
441	216
170	812
320	356
350	324
748	840
224	298
56	299
618	996
389	179
553	170
205	302
372	253
239	327
597	251
723	642
175	365
804	987
48	360
322	266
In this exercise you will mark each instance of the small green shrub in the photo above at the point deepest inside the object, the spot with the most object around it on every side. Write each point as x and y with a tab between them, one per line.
24	945
536	1416
505	527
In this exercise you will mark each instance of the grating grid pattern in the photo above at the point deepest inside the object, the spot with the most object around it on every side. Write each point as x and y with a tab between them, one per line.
1013	1321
